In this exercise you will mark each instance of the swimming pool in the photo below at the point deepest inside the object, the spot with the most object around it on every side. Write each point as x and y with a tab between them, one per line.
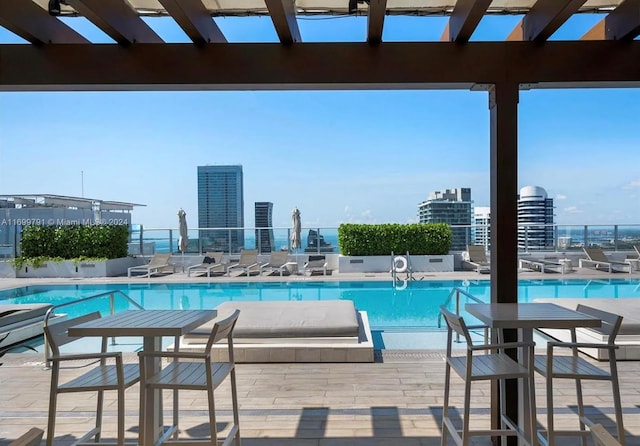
415	308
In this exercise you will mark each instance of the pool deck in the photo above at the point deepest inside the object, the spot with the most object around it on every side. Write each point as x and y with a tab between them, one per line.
394	401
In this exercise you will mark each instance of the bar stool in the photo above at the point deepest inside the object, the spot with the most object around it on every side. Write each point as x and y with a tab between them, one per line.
486	362
574	367
195	371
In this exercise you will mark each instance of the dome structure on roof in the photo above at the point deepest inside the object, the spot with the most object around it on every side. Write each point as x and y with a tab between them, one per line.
533	193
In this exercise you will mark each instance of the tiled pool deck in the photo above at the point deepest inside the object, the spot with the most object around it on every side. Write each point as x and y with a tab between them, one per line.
396	401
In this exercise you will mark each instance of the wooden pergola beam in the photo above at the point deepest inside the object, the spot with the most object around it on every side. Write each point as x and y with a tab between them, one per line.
623	23
321	66
34	24
117	19
546	16
194	19
464	20
375	20
283	15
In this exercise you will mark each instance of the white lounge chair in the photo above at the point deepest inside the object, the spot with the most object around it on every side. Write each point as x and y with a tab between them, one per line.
212	263
598	260
542	265
277	262
247	262
316	264
158	263
477	259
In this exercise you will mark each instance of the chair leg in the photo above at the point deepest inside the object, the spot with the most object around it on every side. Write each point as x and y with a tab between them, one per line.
234	402
212	418
532	407
580	401
53	401
142	413
616	402
176	412
445	404
121	415
467	412
99	410
549	381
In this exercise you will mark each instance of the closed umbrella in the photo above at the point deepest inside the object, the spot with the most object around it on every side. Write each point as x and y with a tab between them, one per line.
183	241
295	229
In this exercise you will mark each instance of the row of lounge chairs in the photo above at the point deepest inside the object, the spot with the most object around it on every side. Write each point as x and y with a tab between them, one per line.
596	258
247	263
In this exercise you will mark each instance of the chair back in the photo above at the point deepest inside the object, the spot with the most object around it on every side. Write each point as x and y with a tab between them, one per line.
316	261
213	257
455	323
224	329
637	248
159	260
57	334
278	258
596	254
477	254
248	257
601	437
610	322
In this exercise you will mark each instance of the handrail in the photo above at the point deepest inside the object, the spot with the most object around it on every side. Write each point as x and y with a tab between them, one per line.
455	291
112	309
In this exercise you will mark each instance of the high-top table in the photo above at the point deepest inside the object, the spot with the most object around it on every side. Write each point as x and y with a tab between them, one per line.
152	326
525	317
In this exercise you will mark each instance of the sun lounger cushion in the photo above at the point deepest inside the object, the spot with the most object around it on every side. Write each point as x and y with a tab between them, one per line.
287	319
15	313
629	309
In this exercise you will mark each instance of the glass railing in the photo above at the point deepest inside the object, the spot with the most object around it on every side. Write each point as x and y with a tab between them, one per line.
319	240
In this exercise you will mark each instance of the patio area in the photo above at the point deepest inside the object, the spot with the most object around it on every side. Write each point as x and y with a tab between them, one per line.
397	400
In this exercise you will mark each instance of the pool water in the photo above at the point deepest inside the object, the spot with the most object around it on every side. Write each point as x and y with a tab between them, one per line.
415	308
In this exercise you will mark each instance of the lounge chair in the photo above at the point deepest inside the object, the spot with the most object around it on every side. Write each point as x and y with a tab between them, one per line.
248	261
599	261
158	263
477	259
212	263
542	265
316	264
277	262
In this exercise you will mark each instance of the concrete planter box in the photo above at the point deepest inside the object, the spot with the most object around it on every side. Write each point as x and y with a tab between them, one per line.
68	268
7	271
382	264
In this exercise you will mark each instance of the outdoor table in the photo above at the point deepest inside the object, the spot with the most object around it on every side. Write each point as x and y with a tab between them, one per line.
152	325
525	317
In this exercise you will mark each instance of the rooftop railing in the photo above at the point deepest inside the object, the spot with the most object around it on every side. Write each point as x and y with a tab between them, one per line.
321	240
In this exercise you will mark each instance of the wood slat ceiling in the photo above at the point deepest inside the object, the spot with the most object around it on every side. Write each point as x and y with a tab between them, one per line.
122	19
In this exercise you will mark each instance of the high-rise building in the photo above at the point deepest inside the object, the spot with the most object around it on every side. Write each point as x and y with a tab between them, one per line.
265	242
535	219
452	206
221	205
481	226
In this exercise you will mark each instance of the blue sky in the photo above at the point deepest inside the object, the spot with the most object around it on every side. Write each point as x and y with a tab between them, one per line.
339	156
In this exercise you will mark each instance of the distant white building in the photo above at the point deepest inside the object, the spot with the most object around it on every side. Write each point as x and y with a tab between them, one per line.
17	211
535	219
481	228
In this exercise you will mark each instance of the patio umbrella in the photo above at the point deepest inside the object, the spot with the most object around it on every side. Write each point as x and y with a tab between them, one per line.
183	241
295	229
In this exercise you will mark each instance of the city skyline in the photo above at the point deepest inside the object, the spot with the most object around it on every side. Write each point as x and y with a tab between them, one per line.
339	156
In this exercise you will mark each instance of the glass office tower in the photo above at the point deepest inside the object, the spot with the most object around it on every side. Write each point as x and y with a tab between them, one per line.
221	205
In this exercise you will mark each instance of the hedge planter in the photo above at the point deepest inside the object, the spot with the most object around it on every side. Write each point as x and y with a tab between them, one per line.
69	268
382	264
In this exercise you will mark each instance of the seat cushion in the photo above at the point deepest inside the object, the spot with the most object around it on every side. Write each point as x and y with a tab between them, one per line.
287	319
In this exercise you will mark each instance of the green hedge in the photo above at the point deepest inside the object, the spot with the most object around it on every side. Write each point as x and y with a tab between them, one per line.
377	240
73	241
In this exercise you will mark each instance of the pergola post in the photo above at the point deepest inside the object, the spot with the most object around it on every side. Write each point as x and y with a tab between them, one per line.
503	109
